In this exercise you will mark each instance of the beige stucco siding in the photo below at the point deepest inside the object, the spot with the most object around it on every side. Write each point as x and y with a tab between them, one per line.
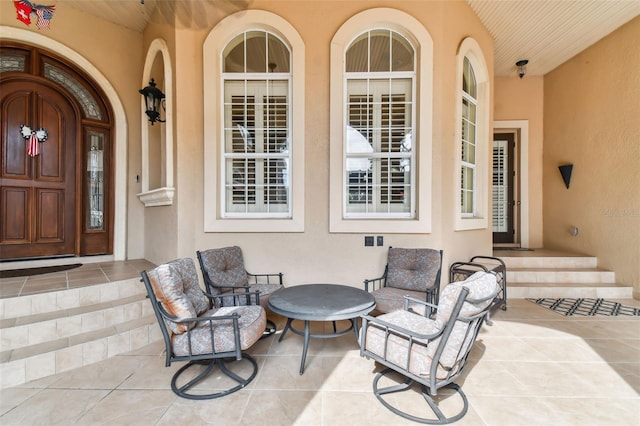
592	120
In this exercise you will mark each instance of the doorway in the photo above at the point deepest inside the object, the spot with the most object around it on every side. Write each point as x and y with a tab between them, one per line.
504	188
55	200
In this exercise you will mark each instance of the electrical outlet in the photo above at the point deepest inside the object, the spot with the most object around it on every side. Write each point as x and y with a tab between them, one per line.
368	241
379	240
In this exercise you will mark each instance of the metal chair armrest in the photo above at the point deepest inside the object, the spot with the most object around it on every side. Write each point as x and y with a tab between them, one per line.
166	315
375	283
367	319
219	299
408	299
276	276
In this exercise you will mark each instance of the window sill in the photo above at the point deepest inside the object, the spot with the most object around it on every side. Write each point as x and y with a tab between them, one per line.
470	224
157	197
253	225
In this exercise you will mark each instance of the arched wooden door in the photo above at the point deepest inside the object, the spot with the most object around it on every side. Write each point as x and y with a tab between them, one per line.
38	192
60	201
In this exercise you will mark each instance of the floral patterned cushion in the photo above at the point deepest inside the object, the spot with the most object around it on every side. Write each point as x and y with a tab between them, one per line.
225	266
389	299
175	285
412	269
419	359
197	341
397	347
481	285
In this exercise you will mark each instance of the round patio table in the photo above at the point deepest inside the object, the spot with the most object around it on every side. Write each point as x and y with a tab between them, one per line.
320	302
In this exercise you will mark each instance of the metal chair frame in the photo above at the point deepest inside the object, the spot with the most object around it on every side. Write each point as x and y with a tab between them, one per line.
459	271
211	360
431	294
214	289
428	385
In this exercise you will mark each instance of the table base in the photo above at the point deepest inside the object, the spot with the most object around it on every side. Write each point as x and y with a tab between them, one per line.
308	335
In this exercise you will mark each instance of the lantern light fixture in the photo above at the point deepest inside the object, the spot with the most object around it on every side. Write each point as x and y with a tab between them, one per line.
522	67
153	99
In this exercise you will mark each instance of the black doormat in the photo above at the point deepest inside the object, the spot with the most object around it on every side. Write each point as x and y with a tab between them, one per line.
586	307
27	272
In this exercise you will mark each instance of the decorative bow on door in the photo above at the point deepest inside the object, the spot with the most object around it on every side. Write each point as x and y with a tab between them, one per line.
33	136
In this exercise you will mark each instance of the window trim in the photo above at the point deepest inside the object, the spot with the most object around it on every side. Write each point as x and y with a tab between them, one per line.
470	49
222	34
419	37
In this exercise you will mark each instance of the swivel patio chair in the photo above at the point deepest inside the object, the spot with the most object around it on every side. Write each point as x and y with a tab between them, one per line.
208	339
413	272
429	353
224	274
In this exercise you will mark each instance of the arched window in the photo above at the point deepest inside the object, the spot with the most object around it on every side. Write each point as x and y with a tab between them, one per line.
257	98
380	74
468	140
381	102
472	164
254	128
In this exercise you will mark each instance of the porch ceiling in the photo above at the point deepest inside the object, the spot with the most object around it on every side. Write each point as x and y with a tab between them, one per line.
546	32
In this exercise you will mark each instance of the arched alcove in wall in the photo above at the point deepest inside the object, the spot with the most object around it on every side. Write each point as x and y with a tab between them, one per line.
157	139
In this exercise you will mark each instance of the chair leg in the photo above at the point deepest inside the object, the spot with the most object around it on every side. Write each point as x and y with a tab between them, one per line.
441	417
271	329
210	366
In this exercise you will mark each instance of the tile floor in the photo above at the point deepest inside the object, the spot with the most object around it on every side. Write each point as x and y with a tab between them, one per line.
532	367
85	275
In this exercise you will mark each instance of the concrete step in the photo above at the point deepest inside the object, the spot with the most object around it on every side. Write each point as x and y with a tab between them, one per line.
39	328
46	334
54	301
546	273
560	275
545	261
523	290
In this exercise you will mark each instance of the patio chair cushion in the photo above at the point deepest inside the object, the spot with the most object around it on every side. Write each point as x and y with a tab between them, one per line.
389	299
225	266
175	285
412	269
481	285
397	346
197	341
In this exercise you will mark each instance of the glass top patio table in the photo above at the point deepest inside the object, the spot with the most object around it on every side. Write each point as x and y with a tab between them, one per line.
320	302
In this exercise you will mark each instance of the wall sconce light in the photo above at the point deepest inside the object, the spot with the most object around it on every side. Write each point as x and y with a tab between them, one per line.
565	171
573	231
153	98
522	67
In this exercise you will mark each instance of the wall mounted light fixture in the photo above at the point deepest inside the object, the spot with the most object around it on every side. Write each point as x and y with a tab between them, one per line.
522	67
565	171
153	99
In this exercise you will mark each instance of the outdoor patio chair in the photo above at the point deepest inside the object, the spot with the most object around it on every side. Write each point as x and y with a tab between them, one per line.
224	274
413	272
428	354
202	336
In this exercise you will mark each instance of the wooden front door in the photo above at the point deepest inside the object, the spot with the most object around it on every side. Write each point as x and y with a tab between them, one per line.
38	194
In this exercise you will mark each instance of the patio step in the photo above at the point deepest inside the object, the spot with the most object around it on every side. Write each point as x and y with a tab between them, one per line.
48	333
544	273
523	290
561	275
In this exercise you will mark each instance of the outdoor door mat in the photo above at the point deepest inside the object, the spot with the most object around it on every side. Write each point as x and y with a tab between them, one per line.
27	272
586	307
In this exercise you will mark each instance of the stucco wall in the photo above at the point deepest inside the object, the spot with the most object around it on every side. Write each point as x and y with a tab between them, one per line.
316	255
592	120
518	99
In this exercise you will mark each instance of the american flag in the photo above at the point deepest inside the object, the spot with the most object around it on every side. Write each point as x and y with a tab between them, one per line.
45	13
